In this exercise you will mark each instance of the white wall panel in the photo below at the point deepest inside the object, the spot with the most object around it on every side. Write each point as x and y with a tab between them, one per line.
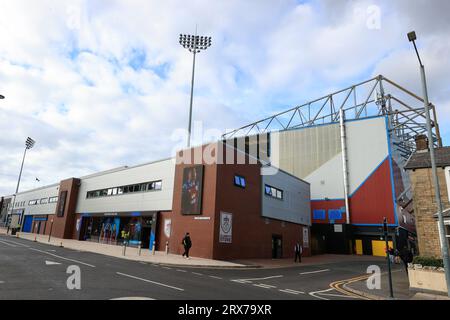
141	201
367	148
38	194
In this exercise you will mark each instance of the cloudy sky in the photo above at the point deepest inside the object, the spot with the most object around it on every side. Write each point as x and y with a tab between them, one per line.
100	84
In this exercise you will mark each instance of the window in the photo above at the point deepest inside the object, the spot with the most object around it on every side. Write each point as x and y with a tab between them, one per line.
273	192
44	201
52	199
239	181
319	214
140	187
334	214
32	202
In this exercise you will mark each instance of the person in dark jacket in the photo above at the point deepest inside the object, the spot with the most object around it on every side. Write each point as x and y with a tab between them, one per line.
187	244
406	256
298	252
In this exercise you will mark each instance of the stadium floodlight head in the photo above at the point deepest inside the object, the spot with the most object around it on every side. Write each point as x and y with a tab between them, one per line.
412	36
29	143
195	43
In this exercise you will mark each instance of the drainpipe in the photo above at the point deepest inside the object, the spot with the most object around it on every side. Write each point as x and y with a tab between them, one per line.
344	163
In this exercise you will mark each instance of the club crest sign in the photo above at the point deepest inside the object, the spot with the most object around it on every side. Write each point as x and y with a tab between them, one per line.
167	227
226	227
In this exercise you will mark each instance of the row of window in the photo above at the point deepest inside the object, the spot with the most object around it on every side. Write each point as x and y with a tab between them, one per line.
273	192
239	181
140	187
333	214
36	202
42	201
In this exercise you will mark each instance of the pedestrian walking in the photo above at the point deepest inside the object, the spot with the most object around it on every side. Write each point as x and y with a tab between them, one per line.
187	244
298	252
406	256
391	255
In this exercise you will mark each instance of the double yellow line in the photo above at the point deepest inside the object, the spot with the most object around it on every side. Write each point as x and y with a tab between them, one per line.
338	286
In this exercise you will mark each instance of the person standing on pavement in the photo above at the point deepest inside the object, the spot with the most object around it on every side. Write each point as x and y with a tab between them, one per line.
187	244
406	257
298	252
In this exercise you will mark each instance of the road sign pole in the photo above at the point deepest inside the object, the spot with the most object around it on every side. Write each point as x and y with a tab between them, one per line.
385	230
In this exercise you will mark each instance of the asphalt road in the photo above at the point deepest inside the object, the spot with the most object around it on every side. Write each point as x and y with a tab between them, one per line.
30	270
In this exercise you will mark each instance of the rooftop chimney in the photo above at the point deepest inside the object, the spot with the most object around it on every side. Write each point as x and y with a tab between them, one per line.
421	143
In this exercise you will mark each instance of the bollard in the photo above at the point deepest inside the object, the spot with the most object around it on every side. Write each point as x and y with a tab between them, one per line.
167	247
124	248
61	245
140	247
154	246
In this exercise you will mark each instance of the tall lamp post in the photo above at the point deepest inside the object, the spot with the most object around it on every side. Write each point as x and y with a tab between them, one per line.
194	44
29	143
444	245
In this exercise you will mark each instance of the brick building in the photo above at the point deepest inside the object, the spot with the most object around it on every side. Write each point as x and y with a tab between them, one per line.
425	207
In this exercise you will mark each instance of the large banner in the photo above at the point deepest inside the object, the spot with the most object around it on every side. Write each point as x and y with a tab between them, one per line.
191	194
226	227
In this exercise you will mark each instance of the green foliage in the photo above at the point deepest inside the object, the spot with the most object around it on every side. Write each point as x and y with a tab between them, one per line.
428	262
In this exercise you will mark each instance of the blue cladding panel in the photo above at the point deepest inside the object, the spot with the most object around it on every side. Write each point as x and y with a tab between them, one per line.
319	214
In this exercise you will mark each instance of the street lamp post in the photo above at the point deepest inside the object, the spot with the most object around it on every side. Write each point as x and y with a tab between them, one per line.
29	143
444	245
194	44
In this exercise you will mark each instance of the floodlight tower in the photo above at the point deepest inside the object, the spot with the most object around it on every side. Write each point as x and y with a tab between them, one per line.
194	44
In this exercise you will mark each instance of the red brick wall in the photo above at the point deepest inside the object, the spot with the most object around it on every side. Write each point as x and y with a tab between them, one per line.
63	227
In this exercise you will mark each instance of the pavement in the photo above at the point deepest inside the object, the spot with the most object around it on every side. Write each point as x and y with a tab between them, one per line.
42	270
160	257
37	270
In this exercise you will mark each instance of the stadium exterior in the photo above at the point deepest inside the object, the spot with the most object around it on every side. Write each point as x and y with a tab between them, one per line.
346	151
230	210
351	146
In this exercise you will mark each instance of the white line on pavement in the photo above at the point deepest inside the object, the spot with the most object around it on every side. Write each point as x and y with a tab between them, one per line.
313	294
54	255
247	280
2	282
145	280
317	271
8	244
267	285
199	274
17	243
262	286
215	277
167	268
292	291
179	270
339	295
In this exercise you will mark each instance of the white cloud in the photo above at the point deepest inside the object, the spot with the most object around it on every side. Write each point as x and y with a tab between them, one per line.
65	70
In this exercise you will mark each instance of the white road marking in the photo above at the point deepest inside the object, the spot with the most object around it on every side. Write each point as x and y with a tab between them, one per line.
132	298
215	277
313	294
2	282
56	256
339	295
179	270
199	274
17	243
149	281
167	268
291	291
8	244
262	286
266	285
317	271
51	263
254	279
